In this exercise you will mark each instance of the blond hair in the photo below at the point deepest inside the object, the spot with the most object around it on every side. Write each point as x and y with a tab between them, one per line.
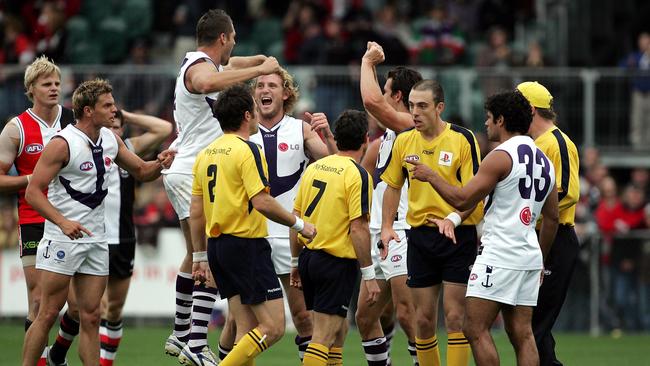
42	66
290	86
87	94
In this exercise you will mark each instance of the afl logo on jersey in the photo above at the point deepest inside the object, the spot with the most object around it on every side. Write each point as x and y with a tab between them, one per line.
525	216
33	148
86	166
283	147
412	157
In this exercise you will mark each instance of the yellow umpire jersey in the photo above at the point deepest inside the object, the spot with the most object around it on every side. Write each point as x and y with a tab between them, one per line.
454	155
334	191
227	174
564	155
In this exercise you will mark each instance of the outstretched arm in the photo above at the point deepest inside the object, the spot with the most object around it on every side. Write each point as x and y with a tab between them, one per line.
156	131
144	171
242	62
203	77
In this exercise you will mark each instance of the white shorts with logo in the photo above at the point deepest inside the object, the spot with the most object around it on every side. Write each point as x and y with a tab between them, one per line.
179	192
70	258
281	255
395	263
507	286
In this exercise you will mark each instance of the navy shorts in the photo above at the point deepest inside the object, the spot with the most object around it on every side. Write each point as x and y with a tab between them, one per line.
327	281
433	258
243	266
30	236
120	259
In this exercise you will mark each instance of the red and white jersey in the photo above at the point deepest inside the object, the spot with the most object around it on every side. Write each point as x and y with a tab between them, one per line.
35	133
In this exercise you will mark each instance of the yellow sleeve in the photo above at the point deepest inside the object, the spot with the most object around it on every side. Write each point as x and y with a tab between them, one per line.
394	175
254	172
470	159
359	192
197	188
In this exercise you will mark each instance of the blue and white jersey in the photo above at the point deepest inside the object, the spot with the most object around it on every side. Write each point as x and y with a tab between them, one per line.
383	158
79	190
286	158
195	124
509	239
119	204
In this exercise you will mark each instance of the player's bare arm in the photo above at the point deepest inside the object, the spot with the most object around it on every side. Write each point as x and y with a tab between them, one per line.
446	226
318	125
242	62
372	96
9	142
156	131
204	78
144	171
272	210
495	167
388	212
369	160
52	160
550	222
199	244
296	247
360	235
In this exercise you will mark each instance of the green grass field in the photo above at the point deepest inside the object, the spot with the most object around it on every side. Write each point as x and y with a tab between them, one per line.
143	346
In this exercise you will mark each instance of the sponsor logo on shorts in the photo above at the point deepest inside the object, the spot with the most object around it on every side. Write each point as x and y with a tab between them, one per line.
396	258
30	245
272	290
473	277
60	254
86	166
525	216
34	148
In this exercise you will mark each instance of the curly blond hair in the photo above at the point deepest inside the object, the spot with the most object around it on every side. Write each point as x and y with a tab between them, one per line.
42	66
290	86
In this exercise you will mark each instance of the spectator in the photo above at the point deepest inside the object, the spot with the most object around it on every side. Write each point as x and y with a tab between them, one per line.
50	34
300	16
16	47
640	104
155	215
440	40
535	56
498	55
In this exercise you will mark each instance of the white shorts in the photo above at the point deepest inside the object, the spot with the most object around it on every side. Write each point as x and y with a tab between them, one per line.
281	255
507	286
70	258
395	263
179	192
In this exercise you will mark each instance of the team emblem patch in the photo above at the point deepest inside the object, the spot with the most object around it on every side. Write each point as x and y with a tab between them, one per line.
283	147
60	254
107	161
445	158
86	166
33	148
525	216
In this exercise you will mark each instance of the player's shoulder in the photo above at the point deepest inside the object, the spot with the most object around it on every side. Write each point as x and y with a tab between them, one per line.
465	134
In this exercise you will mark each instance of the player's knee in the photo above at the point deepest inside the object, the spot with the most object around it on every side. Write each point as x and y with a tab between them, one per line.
90	317
454	321
274	332
48	316
301	319
519	335
405	318
364	320
425	320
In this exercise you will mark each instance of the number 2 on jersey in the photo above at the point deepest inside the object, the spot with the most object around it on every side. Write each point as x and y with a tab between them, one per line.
526	184
212	173
321	189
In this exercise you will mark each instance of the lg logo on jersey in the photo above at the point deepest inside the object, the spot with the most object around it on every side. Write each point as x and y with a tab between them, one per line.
285	147
33	148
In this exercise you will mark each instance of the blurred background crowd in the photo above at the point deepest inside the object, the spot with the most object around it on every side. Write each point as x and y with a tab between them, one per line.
594	56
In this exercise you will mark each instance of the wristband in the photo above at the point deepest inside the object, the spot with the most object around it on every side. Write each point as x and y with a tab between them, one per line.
454	218
294	262
299	225
200	256
29	178
368	273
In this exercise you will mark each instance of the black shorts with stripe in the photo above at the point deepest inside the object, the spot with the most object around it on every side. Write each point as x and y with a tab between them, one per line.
433	258
327	281
30	235
243	266
121	258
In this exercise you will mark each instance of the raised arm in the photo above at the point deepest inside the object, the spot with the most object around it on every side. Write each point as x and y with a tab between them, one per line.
242	62
156	131
54	157
372	96
369	160
9	145
318	124
203	77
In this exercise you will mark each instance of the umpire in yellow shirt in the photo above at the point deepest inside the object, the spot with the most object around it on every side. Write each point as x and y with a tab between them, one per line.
561	260
335	195
442	242
230	199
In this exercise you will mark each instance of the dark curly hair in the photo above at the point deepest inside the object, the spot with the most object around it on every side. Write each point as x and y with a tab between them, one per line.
515	109
403	80
231	105
350	130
